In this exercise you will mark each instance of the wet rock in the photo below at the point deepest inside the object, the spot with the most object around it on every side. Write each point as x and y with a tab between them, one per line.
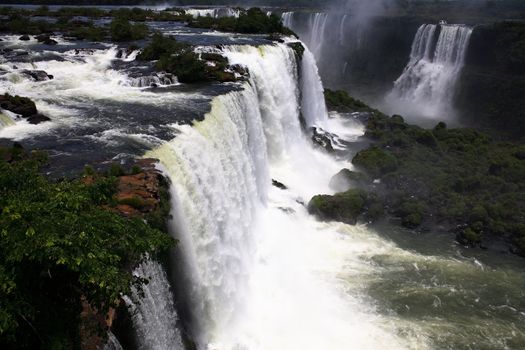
37	119
21	53
18	105
345	207
24	38
346	179
322	139
279	185
45	39
37	75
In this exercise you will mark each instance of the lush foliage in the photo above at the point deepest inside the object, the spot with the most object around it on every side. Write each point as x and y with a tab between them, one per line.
253	21
122	30
60	242
179	59
340	101
456	178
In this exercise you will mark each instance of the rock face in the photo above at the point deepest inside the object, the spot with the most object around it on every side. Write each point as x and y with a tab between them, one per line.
138	194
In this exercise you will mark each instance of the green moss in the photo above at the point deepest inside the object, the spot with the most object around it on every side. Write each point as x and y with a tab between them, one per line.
375	161
345	207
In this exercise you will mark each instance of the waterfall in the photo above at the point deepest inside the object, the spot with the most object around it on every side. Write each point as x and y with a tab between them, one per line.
153	313
427	86
313	105
287	18
213	12
253	256
316	39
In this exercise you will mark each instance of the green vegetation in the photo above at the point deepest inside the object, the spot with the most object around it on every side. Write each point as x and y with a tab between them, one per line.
61	243
345	206
253	21
179	59
122	30
459	179
341	102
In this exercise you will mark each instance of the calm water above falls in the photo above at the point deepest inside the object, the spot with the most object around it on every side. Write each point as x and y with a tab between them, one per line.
260	272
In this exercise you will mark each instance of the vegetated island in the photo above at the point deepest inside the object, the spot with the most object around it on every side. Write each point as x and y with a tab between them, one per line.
457	180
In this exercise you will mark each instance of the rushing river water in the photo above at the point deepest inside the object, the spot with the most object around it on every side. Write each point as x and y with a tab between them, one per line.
255	271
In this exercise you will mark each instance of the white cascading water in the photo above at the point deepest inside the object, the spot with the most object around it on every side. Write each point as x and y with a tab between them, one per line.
315	41
213	12
5	120
263	273
427	86
153	313
313	106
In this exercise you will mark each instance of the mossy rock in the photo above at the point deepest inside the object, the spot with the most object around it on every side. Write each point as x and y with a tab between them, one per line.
345	207
375	161
18	105
346	179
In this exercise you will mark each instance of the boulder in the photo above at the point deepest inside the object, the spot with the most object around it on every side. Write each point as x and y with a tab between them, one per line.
37	119
346	179
345	207
24	37
37	75
45	39
279	185
18	105
322	139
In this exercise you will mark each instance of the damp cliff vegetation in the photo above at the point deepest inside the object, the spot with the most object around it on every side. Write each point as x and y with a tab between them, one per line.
459	180
63	244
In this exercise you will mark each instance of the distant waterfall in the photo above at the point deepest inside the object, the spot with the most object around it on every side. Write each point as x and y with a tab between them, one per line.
213	12
313	105
427	86
154	315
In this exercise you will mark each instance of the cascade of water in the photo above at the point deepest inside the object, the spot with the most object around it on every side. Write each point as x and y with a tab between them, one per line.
252	253
5	120
287	18
342	30
153	314
313	105
427	85
318	24
112	343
